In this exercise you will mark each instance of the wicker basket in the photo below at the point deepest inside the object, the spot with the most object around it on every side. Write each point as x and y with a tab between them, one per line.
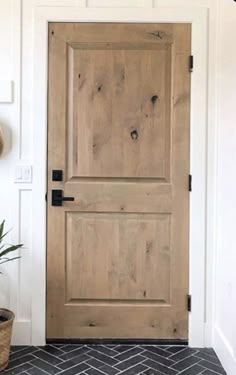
5	337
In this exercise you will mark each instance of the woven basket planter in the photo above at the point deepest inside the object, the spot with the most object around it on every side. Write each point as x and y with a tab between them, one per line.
5	337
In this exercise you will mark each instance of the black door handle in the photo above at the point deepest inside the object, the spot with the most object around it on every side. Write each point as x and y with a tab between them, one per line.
58	198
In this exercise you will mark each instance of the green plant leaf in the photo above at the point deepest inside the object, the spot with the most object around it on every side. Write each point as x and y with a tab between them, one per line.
6	248
10	249
8	260
1	237
2	228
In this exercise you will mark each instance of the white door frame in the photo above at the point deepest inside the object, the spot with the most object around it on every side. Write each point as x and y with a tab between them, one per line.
198	17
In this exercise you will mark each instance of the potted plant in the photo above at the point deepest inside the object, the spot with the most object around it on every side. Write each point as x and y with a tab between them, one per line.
6	316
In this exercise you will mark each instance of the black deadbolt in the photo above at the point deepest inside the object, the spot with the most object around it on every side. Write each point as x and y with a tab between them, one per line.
57	175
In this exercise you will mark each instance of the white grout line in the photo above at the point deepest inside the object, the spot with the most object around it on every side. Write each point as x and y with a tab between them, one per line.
43	351
141	353
208	360
179	353
39	369
187	368
183	359
13	368
126	352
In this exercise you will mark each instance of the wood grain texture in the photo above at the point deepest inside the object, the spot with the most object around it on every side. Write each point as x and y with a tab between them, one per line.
118	127
120	105
125	268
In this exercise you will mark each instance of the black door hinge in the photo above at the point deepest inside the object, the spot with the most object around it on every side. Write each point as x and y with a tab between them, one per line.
190	182
46	197
191	63
189	303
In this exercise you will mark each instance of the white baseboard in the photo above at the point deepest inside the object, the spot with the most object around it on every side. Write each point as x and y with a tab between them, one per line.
21	332
208	333
224	351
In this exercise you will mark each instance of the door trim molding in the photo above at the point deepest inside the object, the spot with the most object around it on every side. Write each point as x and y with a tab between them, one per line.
198	158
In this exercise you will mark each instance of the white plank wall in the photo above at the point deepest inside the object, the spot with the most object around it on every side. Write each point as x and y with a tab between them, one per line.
16	198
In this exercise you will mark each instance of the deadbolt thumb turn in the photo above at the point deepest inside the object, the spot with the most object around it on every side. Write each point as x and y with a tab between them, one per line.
58	198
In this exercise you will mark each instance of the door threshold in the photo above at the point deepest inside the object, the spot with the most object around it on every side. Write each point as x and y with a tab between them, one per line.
90	341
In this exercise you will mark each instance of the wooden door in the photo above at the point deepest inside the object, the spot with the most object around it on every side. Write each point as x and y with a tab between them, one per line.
118	128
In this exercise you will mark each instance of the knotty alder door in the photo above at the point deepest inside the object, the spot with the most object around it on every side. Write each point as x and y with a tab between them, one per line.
118	129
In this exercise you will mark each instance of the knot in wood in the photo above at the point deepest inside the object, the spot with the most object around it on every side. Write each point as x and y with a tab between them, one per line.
134	134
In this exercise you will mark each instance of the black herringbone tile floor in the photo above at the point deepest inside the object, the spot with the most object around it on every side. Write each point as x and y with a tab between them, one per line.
112	360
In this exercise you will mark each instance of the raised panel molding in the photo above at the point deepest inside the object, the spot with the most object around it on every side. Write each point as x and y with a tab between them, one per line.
123	86
127	258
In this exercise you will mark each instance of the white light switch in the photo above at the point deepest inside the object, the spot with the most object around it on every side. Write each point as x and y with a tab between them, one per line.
23	173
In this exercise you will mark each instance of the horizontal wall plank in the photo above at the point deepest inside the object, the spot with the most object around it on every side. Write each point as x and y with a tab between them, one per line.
181	3
60	3
120	3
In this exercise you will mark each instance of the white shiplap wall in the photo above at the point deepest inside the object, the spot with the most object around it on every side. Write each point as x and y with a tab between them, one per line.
16	199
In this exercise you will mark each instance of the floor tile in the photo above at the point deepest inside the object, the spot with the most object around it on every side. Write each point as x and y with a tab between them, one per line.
213	367
157	350
158	358
115	359
138	369
51	359
17	370
19	361
103	357
109	370
193	370
183	354
175	349
45	366
74	361
209	358
161	368
36	371
75	370
130	362
52	350
74	353
104	350
151	371
185	363
128	353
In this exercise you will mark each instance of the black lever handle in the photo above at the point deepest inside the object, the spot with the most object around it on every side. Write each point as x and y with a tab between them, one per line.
57	198
68	199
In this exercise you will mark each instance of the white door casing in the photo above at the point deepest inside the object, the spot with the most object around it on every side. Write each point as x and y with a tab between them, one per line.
198	18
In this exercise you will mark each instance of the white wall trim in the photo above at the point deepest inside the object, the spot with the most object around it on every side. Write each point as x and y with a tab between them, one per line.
224	351
212	171
21	334
198	18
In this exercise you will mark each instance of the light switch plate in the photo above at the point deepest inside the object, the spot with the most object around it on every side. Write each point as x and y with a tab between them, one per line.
23	173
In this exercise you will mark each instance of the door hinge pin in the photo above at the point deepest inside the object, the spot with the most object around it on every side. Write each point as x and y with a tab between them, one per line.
189	303
191	63
190	179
